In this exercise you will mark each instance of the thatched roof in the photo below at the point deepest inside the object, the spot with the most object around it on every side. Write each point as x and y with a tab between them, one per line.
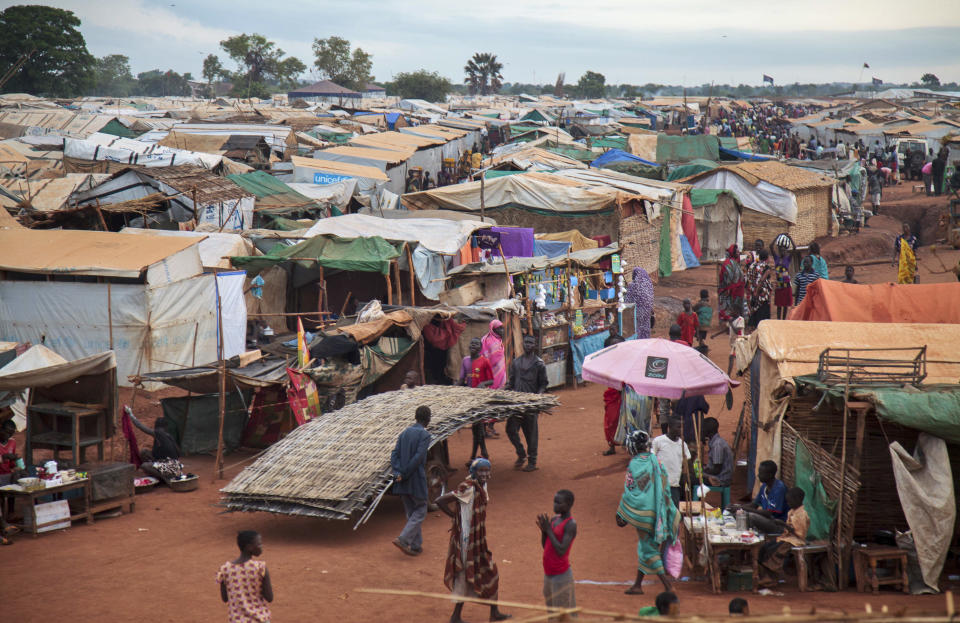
339	463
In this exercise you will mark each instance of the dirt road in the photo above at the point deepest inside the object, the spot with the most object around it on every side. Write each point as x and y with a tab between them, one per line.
158	564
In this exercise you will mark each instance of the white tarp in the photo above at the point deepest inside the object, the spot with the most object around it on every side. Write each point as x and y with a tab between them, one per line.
925	486
150	156
764	197
338	193
213	249
434	234
34	358
153	328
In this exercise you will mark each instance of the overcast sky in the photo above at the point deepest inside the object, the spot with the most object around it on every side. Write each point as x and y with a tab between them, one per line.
688	42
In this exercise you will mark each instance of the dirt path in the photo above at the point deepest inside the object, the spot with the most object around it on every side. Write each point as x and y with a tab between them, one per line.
159	563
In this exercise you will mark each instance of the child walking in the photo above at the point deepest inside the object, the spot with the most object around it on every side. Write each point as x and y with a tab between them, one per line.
704	315
689	323
556	536
783	289
245	583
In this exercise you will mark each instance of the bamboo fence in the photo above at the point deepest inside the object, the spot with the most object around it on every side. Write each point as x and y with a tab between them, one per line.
339	463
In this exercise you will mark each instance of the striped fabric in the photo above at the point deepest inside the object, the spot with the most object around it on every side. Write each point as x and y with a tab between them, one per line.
480	571
647	506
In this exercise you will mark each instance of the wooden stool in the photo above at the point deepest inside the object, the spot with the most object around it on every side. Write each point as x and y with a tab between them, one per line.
865	561
800	557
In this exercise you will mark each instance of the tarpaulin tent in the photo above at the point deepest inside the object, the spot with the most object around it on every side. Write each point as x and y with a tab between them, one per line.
717	217
275	197
195	421
687	148
735	154
691	168
370	254
881	302
781	350
614	156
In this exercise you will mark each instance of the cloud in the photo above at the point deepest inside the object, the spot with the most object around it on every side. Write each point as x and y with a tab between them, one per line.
694	42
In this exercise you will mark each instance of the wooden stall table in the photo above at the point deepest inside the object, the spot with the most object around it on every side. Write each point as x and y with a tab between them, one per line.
31	497
865	561
751	549
58	426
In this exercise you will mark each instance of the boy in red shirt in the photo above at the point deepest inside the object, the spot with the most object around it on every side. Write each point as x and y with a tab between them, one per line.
689	323
475	371
556	536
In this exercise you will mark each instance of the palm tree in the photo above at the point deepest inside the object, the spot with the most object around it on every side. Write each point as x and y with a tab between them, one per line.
483	73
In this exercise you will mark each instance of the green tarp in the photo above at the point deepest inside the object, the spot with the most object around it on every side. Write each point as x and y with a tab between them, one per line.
610	142
707	196
370	255
196	421
691	168
687	148
638	170
273	196
115	128
494	173
583	155
820	508
666	259
933	409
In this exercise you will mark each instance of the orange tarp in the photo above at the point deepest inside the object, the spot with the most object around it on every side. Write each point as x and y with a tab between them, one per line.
935	303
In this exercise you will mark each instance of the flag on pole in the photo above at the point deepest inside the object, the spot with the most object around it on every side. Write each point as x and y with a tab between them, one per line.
877	82
303	355
767	78
866	66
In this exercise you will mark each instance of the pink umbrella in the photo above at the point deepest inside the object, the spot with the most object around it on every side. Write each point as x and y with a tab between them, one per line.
656	367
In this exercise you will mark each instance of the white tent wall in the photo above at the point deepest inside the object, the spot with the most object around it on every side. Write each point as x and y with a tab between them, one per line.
231	215
154	328
764	197
181	265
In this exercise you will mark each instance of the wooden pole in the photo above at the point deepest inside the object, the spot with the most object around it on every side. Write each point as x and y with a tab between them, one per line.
322	293
506	270
223	383
841	527
110	328
389	286
396	274
483	204
413	284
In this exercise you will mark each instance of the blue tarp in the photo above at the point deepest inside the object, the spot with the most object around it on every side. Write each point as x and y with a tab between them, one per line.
550	248
743	155
618	155
581	347
392	120
687	251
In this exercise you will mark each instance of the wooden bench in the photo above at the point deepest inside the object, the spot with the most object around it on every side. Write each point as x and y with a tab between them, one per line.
865	561
803	568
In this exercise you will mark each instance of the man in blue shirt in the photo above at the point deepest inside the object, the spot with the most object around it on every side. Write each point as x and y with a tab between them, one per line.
408	461
771	501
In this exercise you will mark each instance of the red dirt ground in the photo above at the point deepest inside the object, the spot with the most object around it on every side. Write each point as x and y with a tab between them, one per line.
159	562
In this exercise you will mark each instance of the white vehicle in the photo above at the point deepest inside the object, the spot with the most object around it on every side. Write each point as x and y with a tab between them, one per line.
905	145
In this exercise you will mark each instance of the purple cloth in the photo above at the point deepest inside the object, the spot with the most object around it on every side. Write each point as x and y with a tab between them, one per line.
465	367
516	241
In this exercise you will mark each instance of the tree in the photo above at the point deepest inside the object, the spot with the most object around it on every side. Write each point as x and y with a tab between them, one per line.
259	64
111	76
158	83
422	84
930	80
213	69
335	62
483	74
591	84
59	64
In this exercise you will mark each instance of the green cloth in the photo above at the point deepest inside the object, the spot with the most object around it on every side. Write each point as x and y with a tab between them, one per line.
648	611
115	128
583	155
377	359
610	142
637	170
820	508
372	255
687	148
647	506
285	224
273	196
691	168
707	196
666	259
932	409
493	173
